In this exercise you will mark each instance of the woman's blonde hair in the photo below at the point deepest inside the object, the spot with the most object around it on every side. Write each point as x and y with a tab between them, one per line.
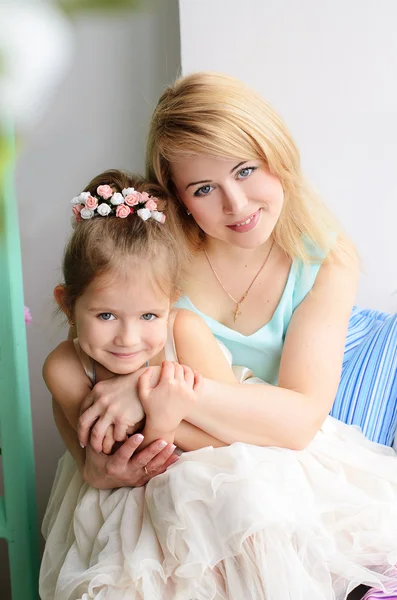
215	115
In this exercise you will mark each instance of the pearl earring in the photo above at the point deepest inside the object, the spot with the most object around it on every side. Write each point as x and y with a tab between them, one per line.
188	213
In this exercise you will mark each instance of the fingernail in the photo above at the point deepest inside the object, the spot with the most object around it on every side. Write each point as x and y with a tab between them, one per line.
172	448
162	445
139	437
82	445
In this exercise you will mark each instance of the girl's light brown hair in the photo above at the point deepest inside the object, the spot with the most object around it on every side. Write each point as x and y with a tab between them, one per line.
215	115
103	245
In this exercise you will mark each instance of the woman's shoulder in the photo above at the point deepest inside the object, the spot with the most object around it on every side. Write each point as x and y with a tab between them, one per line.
338	261
336	282
342	262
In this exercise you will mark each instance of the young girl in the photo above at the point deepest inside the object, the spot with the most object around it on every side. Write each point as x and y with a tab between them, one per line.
231	522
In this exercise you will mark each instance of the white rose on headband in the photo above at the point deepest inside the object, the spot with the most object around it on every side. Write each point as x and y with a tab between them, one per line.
127	191
83	197
86	213
75	200
104	209
158	216
116	199
144	213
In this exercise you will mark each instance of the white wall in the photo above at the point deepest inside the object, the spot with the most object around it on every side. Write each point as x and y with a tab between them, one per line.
329	68
98	120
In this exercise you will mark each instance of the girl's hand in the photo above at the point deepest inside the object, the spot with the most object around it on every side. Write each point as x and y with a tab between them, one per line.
169	399
125	468
111	411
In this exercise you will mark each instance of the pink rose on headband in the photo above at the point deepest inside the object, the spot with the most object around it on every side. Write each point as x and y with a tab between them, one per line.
132	199
122	211
151	204
105	191
76	210
91	203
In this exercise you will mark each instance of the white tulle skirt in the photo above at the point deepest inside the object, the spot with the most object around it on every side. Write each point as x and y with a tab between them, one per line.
235	523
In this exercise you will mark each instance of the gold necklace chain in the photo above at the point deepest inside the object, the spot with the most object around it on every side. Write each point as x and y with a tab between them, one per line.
237	311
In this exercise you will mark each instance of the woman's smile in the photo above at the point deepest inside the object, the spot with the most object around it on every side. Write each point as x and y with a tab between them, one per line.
248	224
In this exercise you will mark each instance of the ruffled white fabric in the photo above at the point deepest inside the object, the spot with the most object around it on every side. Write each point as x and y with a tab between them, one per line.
235	523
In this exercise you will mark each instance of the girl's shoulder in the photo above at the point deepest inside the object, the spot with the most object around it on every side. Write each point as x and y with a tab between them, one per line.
66	380
62	366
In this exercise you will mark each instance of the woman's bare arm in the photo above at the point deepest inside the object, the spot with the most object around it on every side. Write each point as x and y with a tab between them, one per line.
290	415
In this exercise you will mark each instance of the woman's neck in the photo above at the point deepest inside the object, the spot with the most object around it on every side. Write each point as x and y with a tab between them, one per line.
220	251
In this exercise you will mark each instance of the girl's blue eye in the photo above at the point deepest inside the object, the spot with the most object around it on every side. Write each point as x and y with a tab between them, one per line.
148	317
245	172
107	316
204	190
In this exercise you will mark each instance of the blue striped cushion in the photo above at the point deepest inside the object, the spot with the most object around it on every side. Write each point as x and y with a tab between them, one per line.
367	394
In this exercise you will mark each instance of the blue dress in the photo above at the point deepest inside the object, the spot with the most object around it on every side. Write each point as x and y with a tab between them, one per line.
367	393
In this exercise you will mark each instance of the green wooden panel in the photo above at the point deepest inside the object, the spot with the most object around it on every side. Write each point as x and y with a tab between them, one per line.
19	514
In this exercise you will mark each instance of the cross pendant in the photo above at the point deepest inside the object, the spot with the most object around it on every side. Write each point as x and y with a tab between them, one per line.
237	312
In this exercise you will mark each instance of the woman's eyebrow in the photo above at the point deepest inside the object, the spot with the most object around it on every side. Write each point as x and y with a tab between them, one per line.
210	180
239	165
197	182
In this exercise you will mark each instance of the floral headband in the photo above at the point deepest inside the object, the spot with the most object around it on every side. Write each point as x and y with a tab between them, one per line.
106	202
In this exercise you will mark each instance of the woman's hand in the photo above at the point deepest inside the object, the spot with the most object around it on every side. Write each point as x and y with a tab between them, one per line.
125	468
169	399
111	411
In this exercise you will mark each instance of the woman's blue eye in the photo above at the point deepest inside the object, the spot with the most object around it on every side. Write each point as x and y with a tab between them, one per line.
246	172
107	316
148	317
204	190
